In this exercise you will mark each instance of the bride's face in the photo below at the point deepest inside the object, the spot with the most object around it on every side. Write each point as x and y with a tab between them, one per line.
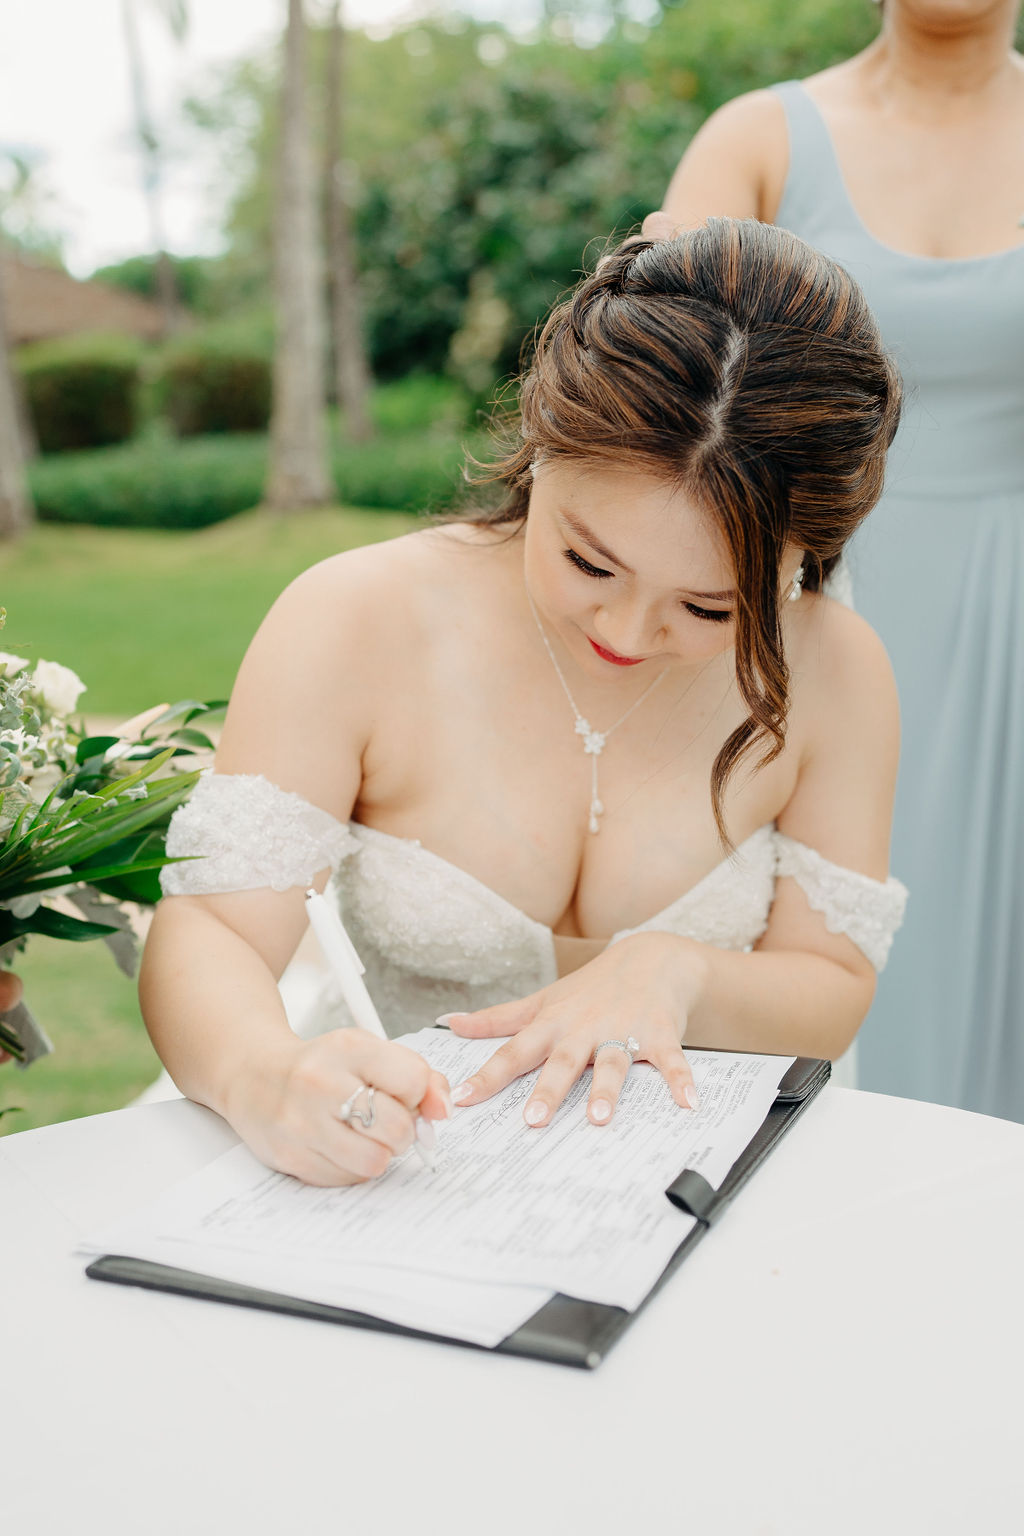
627	570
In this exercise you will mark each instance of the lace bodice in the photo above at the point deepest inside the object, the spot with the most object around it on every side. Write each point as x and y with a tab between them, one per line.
435	939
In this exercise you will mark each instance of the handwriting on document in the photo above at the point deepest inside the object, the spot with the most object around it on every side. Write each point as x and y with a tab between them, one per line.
575	1207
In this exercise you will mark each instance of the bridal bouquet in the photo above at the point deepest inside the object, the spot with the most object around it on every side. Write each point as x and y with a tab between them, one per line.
82	818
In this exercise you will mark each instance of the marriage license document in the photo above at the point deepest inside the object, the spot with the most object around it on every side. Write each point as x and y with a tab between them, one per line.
509	1217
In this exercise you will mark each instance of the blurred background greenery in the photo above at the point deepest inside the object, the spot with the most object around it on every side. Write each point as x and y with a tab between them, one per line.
479	168
475	167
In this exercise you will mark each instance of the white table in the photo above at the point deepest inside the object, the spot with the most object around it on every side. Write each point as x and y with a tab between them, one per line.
843	1353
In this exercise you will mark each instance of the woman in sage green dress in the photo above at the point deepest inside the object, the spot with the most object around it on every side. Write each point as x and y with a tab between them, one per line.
906	164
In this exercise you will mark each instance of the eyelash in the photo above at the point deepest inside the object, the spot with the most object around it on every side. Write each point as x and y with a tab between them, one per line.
710	615
713	615
585	565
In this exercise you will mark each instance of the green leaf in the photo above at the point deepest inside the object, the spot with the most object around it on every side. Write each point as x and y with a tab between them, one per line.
86	812
142	754
184	710
53	882
192	738
56	925
118	786
16	828
98	825
142	857
138	884
94	746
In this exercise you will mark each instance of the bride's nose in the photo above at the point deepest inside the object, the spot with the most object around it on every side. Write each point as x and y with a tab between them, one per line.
630	628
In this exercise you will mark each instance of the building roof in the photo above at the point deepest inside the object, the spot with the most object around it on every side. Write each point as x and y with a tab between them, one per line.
43	302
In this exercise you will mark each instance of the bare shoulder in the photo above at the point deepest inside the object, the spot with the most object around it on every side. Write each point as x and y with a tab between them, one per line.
360	614
744	121
838	663
307	693
736	164
373	587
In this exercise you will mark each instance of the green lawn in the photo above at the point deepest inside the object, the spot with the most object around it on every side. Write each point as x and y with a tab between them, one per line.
103	1057
146	617
142	617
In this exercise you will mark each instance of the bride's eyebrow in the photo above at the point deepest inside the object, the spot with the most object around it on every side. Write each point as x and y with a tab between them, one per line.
581	531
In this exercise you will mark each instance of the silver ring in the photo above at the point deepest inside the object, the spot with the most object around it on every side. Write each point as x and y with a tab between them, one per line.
631	1046
348	1112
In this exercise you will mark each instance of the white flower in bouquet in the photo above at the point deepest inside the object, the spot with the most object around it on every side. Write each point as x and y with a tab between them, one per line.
58	687
10	665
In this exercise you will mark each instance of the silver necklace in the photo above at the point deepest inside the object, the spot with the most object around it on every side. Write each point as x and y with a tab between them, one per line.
593	741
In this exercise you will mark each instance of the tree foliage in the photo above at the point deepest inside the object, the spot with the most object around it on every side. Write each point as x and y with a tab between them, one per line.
482	165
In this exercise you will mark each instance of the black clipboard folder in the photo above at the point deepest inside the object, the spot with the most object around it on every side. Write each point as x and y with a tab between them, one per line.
565	1331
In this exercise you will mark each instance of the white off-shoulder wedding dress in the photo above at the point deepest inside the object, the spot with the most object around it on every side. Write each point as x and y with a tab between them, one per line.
436	940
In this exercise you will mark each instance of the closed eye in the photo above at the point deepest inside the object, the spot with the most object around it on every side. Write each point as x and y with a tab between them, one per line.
585	565
713	615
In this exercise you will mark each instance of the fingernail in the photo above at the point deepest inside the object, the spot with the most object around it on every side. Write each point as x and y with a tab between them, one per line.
600	1109
535	1113
445	1019
425	1133
463	1092
692	1097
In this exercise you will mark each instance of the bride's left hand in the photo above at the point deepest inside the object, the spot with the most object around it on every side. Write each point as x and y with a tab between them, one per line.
644	986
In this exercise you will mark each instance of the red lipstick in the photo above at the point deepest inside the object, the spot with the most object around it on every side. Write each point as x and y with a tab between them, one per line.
614	658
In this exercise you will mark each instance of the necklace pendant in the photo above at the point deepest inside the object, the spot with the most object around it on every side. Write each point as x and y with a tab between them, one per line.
593	741
596	810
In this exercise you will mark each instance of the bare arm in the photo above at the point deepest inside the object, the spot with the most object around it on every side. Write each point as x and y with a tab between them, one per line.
735	166
300	715
804	988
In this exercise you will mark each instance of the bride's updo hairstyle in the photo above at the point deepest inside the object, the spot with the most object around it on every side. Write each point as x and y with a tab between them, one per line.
743	366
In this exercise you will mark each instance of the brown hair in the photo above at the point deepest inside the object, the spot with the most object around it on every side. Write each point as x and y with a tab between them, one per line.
745	366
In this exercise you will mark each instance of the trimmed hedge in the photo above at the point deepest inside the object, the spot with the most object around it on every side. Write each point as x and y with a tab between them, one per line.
157	482
151	483
214	382
81	391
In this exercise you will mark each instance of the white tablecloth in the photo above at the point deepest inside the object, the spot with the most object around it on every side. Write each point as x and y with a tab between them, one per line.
843	1353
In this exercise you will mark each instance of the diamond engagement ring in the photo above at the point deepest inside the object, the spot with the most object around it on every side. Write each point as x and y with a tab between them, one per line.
348	1111
630	1045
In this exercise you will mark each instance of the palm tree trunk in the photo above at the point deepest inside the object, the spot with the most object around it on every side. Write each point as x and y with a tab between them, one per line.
351	373
167	288
298	471
16	510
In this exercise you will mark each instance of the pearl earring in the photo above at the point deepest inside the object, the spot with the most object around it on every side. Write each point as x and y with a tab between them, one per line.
797	585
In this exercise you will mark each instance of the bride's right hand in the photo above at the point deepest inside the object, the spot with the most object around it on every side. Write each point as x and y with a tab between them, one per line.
285	1107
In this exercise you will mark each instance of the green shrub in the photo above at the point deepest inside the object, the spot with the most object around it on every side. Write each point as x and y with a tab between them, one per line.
82	391
152	483
420	402
158	482
218	380
413	473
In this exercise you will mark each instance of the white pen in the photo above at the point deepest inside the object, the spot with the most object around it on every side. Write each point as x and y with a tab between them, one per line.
345	965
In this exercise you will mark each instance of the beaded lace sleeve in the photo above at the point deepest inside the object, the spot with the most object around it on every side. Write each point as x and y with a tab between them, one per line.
242	833
867	911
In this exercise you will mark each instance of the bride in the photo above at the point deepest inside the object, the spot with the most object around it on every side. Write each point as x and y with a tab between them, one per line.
601	763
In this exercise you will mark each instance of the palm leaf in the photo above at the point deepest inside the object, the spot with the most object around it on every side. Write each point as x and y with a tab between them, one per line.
53	882
55	925
96	828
